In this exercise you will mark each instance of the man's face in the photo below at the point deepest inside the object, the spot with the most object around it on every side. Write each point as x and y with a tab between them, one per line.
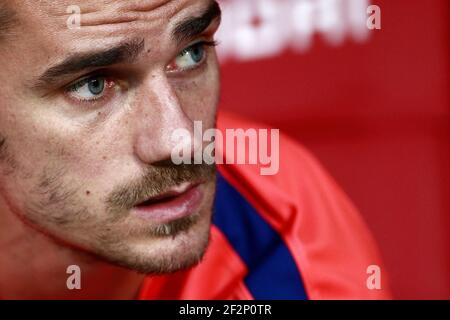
86	118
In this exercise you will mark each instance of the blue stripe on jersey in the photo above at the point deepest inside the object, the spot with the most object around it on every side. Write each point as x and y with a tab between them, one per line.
272	272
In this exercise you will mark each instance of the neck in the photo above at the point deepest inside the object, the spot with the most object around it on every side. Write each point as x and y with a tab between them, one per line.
34	266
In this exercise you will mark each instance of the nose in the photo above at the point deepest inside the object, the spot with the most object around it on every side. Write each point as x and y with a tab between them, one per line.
159	115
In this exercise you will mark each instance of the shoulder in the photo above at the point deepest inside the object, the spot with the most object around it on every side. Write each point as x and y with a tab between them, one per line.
324	232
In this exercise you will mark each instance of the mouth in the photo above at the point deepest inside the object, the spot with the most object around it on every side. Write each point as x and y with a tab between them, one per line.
176	203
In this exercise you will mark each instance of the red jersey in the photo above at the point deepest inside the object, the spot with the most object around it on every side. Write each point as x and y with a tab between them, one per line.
292	235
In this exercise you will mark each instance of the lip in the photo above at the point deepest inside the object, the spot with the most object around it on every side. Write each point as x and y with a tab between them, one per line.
179	202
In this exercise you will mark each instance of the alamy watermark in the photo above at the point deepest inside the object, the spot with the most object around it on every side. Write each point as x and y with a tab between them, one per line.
373	281
74	280
74	20
374	19
233	146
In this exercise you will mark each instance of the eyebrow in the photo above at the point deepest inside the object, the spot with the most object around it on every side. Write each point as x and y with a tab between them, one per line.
194	26
125	52
8	20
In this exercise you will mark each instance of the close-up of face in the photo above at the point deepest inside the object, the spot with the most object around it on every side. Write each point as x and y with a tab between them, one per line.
87	114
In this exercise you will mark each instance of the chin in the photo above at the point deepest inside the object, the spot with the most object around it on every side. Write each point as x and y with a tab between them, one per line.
164	254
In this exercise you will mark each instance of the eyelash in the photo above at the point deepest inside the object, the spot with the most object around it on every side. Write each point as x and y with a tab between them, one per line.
203	43
109	83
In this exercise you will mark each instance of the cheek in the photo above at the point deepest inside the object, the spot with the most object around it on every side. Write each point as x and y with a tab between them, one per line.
199	97
98	166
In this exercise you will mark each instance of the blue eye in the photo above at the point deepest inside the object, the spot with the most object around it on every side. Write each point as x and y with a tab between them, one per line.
96	85
196	53
190	57
89	89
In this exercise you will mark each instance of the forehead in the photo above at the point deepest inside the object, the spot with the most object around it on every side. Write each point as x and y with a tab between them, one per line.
101	20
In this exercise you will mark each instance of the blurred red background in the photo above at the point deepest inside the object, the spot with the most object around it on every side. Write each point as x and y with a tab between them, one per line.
372	105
